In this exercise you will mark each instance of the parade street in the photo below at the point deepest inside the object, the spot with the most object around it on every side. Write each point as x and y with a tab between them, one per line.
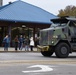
33	63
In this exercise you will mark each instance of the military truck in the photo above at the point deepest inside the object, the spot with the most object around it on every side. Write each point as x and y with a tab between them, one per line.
59	38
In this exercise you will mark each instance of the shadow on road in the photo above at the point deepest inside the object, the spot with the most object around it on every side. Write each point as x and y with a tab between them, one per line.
64	58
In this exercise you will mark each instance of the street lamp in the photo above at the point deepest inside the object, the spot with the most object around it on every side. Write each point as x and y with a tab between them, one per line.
23	29
23	26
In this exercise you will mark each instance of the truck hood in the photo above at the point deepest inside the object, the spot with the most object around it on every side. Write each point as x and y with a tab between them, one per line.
53	28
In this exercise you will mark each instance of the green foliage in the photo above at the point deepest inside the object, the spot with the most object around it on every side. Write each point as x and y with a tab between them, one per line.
68	11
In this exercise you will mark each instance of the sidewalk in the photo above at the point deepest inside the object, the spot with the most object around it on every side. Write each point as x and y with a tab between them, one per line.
12	49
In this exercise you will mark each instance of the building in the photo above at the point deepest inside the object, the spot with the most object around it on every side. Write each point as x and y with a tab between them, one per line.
21	18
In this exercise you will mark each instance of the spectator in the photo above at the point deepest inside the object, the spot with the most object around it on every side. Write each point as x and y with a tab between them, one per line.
16	42
26	42
31	43
20	42
23	44
6	42
36	41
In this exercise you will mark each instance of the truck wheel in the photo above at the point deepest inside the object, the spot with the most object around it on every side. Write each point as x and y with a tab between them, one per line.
62	50
47	53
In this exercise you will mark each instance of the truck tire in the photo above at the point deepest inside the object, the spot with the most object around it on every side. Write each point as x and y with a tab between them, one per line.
47	53
62	50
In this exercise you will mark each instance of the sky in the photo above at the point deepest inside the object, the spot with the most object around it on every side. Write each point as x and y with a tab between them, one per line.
52	6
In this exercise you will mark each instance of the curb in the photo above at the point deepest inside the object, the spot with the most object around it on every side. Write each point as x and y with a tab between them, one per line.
13	50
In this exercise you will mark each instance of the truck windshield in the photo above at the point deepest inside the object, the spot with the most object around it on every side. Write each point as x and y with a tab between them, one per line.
58	24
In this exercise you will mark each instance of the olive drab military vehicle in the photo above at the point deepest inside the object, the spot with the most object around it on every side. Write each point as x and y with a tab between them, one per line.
59	38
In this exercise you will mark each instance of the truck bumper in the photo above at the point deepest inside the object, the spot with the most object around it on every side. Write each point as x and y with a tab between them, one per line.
42	48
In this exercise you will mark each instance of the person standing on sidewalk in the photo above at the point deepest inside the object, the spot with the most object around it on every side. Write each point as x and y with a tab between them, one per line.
31	43
16	42
23	44
6	42
20	42
26	42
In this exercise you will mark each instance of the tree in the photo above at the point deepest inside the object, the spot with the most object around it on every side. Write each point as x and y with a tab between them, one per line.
68	11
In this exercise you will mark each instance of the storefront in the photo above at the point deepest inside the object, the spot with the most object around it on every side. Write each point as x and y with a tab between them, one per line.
20	18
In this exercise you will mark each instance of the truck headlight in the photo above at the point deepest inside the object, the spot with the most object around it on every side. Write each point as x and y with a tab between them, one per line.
55	36
52	42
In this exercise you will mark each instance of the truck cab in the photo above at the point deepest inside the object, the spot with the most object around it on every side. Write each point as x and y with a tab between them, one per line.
59	38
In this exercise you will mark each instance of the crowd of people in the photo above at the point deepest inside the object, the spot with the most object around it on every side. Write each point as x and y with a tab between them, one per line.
20	43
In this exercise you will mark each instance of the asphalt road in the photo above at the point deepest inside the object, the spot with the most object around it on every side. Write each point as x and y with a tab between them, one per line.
33	63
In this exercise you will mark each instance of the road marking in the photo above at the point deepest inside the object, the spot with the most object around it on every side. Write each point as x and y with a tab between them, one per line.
44	68
19	62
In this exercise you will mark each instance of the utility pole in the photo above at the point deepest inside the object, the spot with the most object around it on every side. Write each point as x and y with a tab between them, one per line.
1	2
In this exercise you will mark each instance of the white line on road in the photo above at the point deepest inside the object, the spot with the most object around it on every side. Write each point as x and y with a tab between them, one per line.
44	68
